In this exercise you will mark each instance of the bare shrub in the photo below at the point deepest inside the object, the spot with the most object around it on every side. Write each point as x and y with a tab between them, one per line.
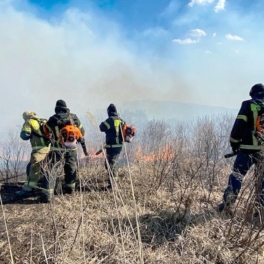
163	210
14	154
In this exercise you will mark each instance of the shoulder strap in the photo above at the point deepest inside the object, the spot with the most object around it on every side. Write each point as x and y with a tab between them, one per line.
41	134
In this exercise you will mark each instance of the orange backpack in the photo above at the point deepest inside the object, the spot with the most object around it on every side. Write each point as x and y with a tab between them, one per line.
69	135
128	132
260	124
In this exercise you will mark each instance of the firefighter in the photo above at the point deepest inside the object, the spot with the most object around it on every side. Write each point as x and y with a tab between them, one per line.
32	130
245	143
112	127
60	153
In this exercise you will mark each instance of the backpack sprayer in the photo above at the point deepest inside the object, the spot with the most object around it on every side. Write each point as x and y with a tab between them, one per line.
128	132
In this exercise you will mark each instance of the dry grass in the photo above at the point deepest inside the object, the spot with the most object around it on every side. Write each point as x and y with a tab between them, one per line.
161	211
101	227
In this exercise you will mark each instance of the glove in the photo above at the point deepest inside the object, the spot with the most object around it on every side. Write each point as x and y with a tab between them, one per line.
235	146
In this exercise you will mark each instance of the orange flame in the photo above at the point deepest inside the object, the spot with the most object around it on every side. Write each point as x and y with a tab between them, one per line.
164	154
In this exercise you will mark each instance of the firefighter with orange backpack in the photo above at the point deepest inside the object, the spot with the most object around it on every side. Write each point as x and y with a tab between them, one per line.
114	128
33	130
66	131
247	142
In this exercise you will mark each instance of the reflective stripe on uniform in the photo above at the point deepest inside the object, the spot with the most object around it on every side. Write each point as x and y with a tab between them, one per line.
37	147
30	183
251	147
62	149
57	131
242	117
113	146
234	140
70	185
117	123
47	191
107	125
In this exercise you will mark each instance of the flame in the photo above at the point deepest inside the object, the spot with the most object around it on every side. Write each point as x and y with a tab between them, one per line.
166	153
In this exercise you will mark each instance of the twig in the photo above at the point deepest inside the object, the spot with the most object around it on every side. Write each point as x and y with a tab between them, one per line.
10	249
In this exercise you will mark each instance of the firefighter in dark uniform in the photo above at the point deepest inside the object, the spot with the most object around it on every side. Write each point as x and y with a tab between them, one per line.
112	127
59	152
245	143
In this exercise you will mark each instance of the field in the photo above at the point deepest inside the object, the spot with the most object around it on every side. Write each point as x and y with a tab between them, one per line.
162	210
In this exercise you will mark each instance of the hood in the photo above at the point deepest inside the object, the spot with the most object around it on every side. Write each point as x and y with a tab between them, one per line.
29	115
111	110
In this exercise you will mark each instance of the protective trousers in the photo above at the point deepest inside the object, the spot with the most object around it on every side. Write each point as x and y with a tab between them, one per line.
242	164
34	173
66	158
112	155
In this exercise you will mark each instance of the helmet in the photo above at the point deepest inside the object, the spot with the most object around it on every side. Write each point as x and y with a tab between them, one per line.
256	89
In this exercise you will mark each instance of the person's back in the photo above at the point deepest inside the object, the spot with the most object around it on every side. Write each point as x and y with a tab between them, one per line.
60	152
245	143
112	127
57	121
242	133
32	130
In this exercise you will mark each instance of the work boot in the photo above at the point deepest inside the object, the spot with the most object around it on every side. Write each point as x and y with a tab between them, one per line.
23	194
46	196
222	207
69	188
44	199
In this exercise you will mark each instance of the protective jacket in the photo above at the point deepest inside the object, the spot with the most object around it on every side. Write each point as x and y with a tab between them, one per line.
53	124
112	127
32	130
244	128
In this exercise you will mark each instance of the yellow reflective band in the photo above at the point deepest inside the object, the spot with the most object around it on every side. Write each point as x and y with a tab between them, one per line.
26	129
62	149
255	107
107	125
251	147
113	146
243	117
47	191
254	140
57	131
71	185
234	140
30	183
37	147
117	123
80	126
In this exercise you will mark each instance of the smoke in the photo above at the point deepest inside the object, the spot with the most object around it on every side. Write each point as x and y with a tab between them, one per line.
79	57
87	59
